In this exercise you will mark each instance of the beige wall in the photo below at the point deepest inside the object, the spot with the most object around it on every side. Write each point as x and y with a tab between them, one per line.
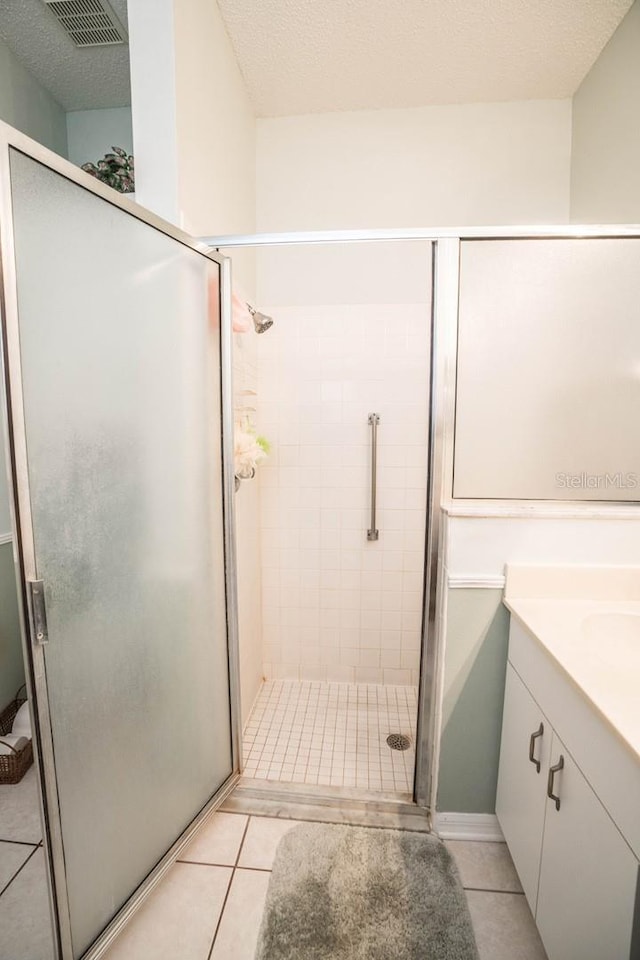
481	163
193	125
215	125
605	165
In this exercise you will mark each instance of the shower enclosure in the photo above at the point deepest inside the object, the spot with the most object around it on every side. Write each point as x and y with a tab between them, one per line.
115	360
342	396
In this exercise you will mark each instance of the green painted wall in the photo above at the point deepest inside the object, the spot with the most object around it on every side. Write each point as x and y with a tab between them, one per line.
26	105
11	663
475	664
92	133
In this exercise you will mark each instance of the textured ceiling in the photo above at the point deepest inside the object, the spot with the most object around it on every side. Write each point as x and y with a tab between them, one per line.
308	56
79	79
311	56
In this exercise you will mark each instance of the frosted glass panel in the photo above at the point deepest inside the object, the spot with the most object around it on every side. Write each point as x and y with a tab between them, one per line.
548	397
119	329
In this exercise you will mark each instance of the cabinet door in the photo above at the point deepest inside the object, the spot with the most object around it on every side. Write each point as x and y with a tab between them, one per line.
520	804
588	874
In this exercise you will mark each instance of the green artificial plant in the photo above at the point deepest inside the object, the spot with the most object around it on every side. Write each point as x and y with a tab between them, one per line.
115	169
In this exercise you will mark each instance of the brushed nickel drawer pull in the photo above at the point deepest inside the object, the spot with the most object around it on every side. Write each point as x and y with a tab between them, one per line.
550	785
532	746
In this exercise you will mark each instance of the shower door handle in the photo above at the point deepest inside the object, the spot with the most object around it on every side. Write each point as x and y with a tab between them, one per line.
374	420
38	610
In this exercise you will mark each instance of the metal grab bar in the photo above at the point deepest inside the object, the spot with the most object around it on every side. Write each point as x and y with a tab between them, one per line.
374	420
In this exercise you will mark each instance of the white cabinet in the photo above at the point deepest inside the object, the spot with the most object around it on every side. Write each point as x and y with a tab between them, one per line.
521	800
578	872
588	874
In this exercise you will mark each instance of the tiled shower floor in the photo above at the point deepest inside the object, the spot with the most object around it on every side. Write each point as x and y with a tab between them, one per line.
332	734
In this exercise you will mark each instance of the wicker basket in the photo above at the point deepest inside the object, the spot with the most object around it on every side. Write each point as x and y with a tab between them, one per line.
13	766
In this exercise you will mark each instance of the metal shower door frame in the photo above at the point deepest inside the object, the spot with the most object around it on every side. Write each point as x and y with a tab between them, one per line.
24	547
442	355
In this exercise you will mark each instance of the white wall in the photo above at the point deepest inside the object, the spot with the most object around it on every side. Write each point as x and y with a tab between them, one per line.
92	133
26	105
479	547
475	164
153	105
605	166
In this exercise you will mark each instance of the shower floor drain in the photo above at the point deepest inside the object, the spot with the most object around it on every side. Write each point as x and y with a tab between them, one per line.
398	741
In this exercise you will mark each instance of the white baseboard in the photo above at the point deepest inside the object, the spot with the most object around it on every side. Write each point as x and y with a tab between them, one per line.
468	826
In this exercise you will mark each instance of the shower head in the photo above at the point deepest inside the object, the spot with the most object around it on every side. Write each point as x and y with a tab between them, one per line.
261	321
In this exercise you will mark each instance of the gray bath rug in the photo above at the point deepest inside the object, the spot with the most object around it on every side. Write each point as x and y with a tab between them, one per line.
358	893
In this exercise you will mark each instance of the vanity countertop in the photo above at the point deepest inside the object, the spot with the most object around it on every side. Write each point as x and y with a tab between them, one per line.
588	620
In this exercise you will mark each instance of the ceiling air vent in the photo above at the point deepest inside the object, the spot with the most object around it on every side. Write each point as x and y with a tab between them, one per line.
89	23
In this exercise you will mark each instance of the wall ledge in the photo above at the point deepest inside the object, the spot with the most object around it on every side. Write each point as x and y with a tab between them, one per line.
478	582
540	510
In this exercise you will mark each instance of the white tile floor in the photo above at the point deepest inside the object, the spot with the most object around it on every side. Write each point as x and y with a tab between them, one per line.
210	904
25	924
332	734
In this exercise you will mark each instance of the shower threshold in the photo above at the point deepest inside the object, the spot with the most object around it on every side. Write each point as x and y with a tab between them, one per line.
295	801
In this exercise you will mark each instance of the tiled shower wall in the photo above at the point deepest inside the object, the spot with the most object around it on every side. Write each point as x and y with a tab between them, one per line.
334	605
247	511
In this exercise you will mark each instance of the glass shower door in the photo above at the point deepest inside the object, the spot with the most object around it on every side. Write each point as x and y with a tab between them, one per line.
114	366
